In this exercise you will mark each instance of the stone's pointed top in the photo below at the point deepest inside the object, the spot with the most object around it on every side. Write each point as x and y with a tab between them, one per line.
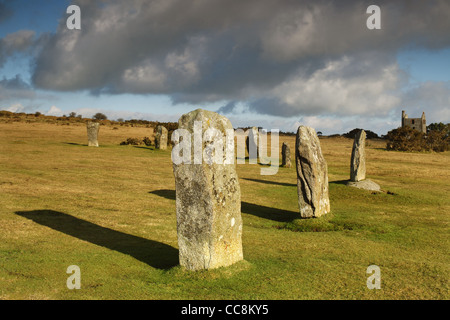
361	134
305	129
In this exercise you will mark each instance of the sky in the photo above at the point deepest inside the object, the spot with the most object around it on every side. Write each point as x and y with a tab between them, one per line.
275	64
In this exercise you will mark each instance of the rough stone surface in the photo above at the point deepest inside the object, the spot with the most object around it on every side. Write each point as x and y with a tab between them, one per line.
312	174
358	160
285	155
92	132
208	202
252	142
365	184
161	137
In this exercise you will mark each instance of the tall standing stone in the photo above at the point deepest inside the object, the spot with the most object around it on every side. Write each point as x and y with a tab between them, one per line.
358	160
312	174
92	132
161	137
208	201
285	155
252	143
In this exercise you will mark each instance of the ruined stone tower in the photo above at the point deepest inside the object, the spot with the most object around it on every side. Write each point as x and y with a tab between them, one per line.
419	124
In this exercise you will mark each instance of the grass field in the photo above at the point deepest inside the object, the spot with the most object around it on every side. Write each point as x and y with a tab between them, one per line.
111	211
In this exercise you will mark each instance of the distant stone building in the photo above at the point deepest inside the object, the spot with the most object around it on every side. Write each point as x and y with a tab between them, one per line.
419	124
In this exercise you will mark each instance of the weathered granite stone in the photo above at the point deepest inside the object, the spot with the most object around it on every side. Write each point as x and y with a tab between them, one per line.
285	155
92	132
312	174
161	136
358	160
208	202
252	143
365	184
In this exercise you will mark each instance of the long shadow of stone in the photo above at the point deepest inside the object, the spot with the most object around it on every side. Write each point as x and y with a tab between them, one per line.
269	213
147	148
272	182
155	254
165	193
258	162
264	212
76	144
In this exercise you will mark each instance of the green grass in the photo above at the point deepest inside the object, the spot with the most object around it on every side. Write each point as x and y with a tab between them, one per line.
111	211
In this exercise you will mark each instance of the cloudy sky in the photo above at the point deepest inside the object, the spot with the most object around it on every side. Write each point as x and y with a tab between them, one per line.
270	63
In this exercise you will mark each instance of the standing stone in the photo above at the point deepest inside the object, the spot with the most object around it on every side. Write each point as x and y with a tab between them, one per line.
252	143
312	174
358	160
161	137
285	155
208	201
92	132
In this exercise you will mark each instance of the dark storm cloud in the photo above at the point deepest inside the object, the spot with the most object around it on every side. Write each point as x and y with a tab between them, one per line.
12	43
283	57
5	11
15	89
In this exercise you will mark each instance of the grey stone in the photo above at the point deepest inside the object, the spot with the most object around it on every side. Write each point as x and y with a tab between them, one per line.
208	202
365	184
312	174
285	155
252	143
161	137
358	160
92	132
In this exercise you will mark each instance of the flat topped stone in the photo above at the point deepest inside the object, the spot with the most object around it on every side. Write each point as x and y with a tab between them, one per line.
364	184
208	201
161	137
92	132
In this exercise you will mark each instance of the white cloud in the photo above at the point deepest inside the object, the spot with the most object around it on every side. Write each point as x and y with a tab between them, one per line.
54	111
350	85
17	107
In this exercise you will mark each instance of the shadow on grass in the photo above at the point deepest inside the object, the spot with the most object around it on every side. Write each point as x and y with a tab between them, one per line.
272	182
76	144
269	213
155	254
258	162
146	147
165	193
246	207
